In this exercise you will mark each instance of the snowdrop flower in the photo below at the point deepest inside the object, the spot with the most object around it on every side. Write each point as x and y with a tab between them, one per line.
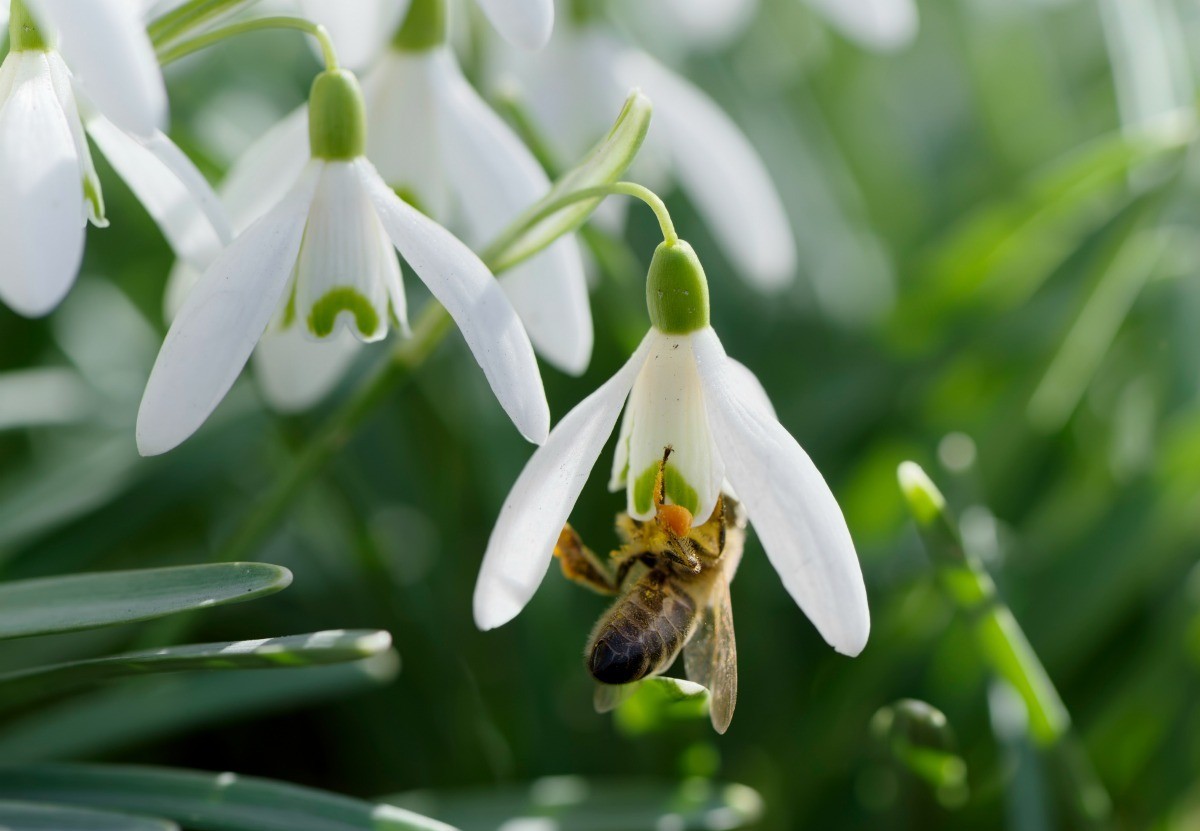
586	72
324	259
683	393
435	141
363	26
50	187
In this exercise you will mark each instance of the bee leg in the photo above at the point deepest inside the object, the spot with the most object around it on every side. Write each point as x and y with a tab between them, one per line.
629	561
581	565
682	551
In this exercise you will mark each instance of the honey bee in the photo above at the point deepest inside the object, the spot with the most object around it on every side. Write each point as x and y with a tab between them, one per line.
671	580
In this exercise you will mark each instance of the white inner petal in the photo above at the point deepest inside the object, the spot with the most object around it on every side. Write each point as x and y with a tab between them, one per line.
346	262
666	409
60	77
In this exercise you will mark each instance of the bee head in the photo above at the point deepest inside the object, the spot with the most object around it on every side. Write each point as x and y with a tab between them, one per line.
675	519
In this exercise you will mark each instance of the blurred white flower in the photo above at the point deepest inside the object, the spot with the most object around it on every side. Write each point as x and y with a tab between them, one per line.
323	260
585	73
685	394
50	187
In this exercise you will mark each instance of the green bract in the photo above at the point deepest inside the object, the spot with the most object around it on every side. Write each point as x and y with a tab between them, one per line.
556	213
337	122
676	289
424	26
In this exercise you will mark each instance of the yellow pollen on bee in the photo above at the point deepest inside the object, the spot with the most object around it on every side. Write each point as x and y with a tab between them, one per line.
675	518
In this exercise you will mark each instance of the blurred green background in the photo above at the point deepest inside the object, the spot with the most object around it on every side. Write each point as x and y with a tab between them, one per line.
997	280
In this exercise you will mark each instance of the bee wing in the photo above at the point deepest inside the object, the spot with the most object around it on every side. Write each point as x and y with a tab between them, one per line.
610	696
710	657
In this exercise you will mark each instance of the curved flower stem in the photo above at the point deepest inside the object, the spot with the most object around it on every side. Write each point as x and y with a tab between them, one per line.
652	199
207	39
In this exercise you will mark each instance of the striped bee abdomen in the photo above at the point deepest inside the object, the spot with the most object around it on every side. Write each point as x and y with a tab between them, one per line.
643	631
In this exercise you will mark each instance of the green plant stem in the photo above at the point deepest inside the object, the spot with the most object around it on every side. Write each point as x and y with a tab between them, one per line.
965	581
214	37
179	21
493	252
428	332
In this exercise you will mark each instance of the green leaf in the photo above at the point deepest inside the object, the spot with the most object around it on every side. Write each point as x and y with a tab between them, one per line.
1001	253
658	703
572	803
605	164
85	601
148	709
24	816
207	801
330	647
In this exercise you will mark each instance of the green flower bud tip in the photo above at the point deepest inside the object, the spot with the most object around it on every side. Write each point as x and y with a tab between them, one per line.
424	27
677	290
925	501
23	33
337	119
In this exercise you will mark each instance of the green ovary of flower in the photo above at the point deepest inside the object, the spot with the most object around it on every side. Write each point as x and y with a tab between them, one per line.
424	26
677	289
675	489
324	313
337	121
23	33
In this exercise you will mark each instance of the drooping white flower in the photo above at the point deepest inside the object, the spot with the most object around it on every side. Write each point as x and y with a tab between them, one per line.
50	187
683	393
436	142
586	71
323	260
434	139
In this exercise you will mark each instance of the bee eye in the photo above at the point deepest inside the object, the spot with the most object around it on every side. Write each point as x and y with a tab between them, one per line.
675	518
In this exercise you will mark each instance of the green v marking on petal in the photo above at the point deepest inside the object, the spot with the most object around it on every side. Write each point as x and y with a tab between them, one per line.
325	312
677	490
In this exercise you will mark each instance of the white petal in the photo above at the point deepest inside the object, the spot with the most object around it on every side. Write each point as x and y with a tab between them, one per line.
41	196
173	191
462	283
403	139
495	177
261	177
666	409
60	77
789	504
221	320
523	23
720	170
877	24
360	29
108	51
343	259
295	372
522	543
745	386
